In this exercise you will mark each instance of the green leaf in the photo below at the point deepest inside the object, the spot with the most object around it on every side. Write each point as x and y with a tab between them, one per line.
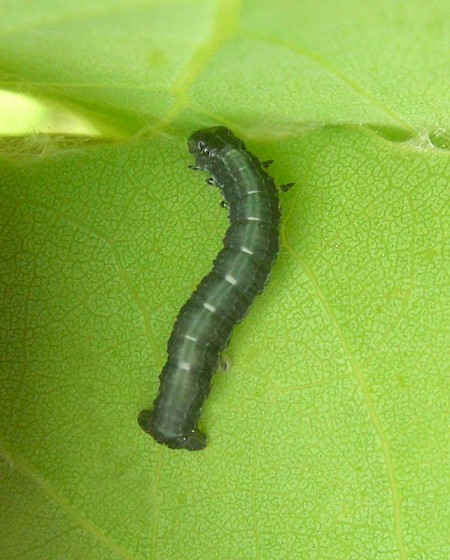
327	438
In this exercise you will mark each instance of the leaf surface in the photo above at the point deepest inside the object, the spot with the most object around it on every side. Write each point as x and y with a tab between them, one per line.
328	437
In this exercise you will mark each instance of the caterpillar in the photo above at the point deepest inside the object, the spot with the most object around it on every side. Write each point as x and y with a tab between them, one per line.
222	299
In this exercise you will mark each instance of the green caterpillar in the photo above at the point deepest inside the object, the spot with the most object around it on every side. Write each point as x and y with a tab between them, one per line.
222	299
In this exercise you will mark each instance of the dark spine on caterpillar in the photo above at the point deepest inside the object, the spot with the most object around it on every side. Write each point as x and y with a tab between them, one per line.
240	271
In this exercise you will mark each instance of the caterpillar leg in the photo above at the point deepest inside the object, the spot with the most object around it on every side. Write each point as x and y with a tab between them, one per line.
286	187
195	440
224	364
144	420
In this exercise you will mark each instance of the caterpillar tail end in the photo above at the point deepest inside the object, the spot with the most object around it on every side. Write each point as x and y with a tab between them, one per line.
195	441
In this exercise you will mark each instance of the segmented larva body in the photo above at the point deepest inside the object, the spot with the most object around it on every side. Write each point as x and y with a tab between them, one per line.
240	271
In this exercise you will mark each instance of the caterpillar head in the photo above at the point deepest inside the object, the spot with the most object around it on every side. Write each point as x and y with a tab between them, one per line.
211	144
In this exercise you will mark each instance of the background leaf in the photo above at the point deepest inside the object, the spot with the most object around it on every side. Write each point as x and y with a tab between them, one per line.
328	437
